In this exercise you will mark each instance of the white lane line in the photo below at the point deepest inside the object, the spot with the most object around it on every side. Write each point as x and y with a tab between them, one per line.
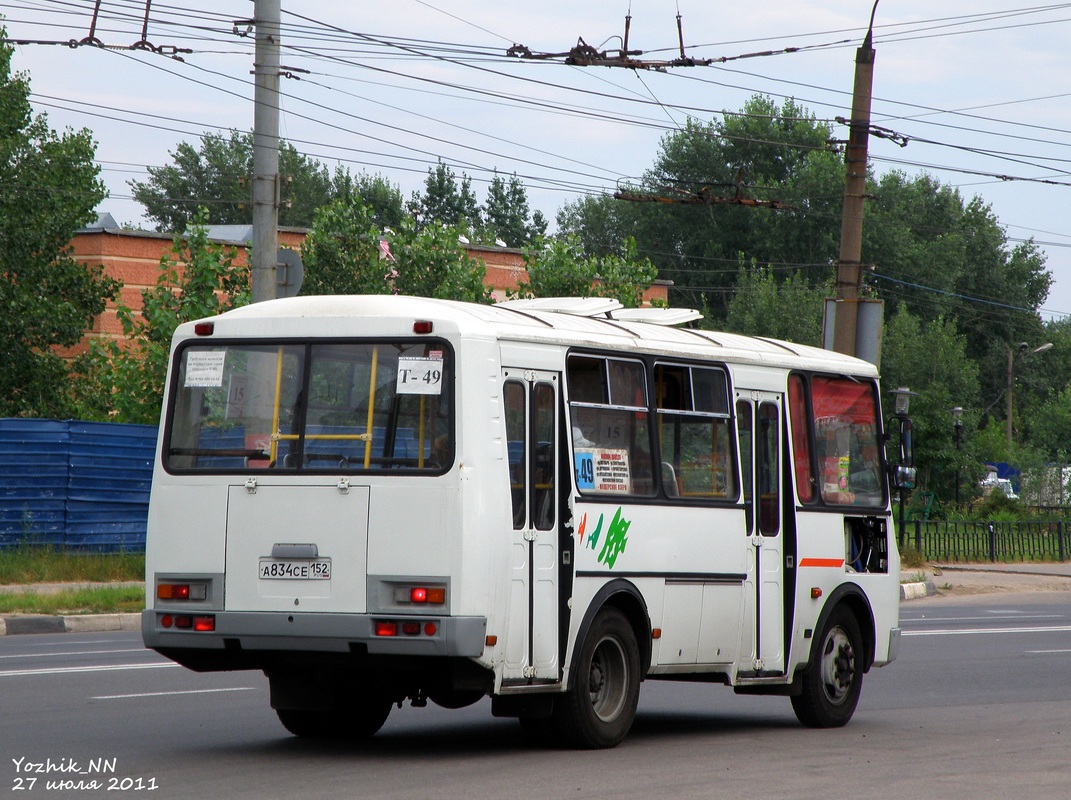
168	694
13	673
77	653
1020	617
967	631
1046	652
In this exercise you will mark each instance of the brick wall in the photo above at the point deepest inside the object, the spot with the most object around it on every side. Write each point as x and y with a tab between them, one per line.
134	258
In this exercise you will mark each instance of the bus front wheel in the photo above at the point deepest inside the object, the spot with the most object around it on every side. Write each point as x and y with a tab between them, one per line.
599	708
833	680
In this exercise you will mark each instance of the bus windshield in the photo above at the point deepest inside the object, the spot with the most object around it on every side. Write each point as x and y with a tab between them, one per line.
350	406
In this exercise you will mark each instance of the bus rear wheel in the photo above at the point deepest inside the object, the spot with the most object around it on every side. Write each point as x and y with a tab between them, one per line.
349	723
599	708
833	680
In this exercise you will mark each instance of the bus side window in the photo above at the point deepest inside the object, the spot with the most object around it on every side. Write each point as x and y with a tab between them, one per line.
516	447
609	428
694	432
801	442
543	426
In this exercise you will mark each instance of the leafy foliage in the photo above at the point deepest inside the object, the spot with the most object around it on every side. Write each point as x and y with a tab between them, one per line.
344	253
932	359
558	268
506	217
49	186
197	279
446	200
757	307
219	175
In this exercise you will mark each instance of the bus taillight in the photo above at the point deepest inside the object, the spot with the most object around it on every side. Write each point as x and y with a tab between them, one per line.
432	595
182	591
202	624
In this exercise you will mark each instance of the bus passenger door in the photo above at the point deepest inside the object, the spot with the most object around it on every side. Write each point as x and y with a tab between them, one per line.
759	425
531	408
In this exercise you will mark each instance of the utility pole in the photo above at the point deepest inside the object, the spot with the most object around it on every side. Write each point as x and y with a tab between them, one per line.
849	268
265	243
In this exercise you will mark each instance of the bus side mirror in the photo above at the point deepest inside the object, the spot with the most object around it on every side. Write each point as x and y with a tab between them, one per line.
907	451
904	474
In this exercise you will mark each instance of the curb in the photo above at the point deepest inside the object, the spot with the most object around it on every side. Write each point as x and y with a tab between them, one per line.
917	590
74	623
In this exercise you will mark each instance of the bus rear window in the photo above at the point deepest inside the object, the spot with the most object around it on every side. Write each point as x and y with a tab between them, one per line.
367	406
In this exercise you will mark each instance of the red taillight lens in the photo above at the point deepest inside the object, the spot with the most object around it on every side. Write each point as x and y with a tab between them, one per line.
386	629
166	621
182	591
204	328
422	326
418	595
430	629
204	623
411	628
183	621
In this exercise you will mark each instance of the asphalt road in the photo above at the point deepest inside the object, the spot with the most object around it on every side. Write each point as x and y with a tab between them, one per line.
978	705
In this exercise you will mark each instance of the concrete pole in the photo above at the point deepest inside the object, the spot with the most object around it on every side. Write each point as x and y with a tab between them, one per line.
265	149
849	269
1008	399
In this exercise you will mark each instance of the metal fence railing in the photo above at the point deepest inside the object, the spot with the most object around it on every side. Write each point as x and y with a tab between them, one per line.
937	540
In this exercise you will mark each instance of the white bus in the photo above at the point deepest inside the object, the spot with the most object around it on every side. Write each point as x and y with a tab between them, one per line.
375	499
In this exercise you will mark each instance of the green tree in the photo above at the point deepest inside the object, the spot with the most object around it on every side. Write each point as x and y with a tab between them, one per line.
49	186
341	252
430	262
218	176
557	267
197	279
446	200
765	153
506	215
758	306
931	359
345	253
383	198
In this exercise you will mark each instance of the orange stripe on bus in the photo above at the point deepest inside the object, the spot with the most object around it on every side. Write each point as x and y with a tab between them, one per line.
821	562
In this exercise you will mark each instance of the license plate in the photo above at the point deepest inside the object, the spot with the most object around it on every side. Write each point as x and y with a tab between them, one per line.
274	569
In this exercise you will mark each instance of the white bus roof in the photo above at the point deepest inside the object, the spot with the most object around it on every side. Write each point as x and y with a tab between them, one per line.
349	315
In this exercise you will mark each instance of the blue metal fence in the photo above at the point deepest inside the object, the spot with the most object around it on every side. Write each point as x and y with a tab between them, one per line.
78	485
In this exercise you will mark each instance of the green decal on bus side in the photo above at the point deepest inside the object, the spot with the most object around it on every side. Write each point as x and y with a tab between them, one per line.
614	543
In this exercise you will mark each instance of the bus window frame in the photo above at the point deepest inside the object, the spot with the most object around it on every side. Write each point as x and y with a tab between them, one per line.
308	344
819	499
731	497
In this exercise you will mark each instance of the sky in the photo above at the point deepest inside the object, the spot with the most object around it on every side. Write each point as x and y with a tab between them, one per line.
980	91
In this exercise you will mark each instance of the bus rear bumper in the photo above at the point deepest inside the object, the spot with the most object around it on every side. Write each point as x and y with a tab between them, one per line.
245	631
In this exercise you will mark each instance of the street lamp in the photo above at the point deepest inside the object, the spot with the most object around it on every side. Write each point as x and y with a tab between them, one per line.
1023	346
957	426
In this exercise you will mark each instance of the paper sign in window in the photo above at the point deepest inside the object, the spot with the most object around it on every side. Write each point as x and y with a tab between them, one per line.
205	370
420	376
603	471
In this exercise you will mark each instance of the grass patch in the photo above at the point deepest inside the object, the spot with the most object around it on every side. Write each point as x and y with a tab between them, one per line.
910	558
99	600
25	564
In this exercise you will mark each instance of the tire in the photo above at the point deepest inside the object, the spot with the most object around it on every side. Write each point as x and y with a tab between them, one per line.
833	680
600	706
348	724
